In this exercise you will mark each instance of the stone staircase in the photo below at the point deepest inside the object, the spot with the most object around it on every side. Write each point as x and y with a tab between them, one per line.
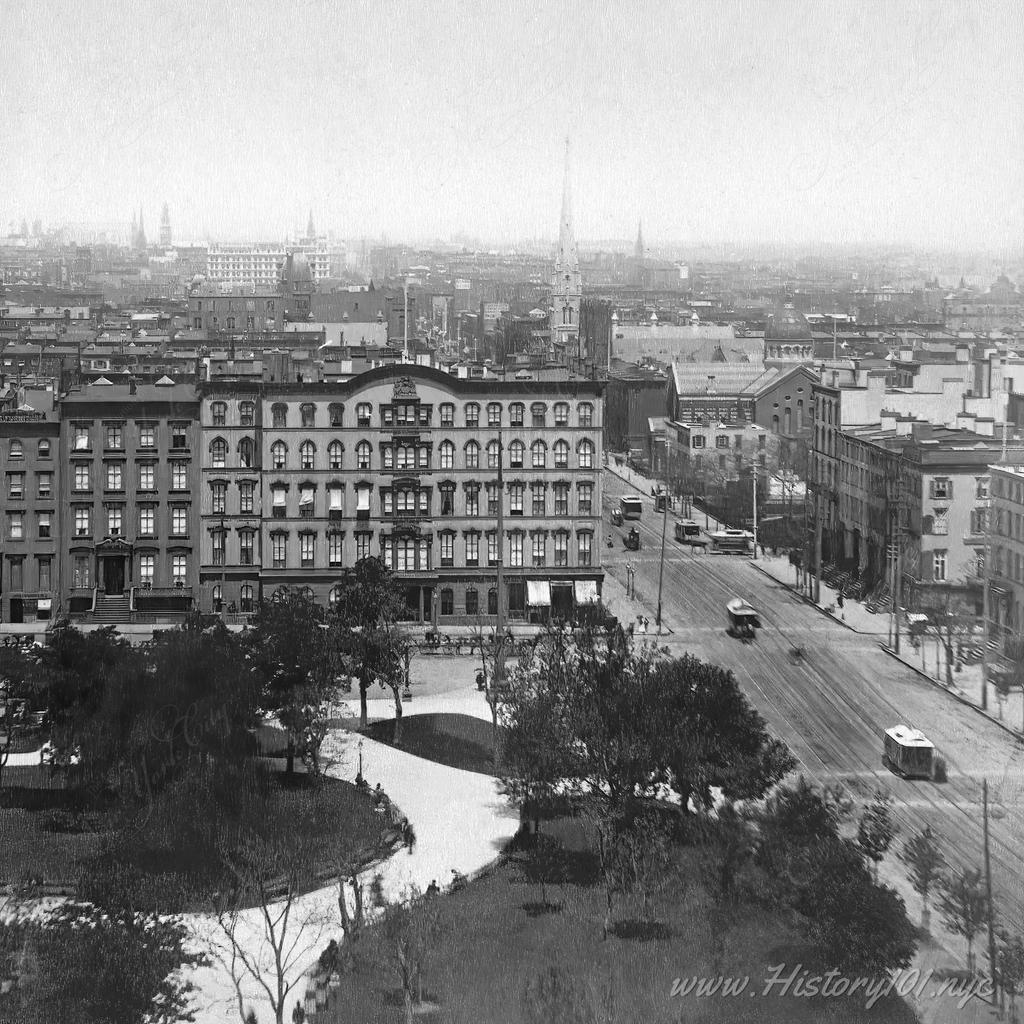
111	610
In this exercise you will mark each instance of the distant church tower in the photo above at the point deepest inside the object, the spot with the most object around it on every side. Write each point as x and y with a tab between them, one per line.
566	284
165	227
139	239
638	249
311	229
133	236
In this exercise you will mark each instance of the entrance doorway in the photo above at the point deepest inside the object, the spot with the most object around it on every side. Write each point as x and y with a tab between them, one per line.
113	575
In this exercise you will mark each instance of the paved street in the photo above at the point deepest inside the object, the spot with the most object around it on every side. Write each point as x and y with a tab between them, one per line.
833	706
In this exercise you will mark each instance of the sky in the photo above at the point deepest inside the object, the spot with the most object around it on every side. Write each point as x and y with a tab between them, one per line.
763	121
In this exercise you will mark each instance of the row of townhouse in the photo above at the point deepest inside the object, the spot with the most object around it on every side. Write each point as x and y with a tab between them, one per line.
141	503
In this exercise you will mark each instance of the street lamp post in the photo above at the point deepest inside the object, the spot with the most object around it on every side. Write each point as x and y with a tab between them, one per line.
664	530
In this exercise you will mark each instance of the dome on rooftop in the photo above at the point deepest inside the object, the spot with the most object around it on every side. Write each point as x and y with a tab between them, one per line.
787	324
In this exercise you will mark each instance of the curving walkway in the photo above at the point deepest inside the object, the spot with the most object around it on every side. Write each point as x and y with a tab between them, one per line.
461	823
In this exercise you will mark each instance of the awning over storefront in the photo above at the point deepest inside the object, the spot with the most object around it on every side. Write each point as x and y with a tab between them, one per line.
538	593
586	591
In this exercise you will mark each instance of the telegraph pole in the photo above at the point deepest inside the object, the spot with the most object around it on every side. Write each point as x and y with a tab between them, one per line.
817	547
755	512
988	893
664	528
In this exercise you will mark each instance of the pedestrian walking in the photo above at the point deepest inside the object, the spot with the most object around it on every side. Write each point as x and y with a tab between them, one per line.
408	835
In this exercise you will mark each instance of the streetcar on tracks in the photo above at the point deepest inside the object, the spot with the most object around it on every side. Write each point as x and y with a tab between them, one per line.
743	619
686	531
732	542
908	752
631	507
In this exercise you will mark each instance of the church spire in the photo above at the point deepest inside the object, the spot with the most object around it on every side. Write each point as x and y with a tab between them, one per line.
638	250
568	255
310	228
566	285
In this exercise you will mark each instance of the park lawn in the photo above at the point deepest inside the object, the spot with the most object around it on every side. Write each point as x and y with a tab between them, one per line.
493	943
458	741
168	843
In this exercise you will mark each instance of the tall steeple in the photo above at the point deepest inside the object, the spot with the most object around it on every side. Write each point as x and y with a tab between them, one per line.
566	285
141	243
638	249
310	228
165	226
133	238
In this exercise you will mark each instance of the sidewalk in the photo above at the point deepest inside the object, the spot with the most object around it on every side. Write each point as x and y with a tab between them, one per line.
461	822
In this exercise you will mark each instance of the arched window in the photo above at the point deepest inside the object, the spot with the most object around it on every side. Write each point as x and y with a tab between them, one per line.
538	451
516	412
363	455
586	454
308	412
307	452
538	414
44	449
472	455
586	411
788	420
492	454
335	411
279	414
561	452
472	601
218	597
516	454
447	455
219	411
218	453
245	452
472	414
247	413
246	598
775	423
492	601
799	415
447	601
334	596
494	414
278	454
561	414
447	414
15	451
334	450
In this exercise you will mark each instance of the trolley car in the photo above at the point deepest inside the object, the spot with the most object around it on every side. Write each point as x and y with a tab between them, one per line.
909	752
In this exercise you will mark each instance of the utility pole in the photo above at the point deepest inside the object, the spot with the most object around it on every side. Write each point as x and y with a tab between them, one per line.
754	477
898	553
988	893
664	528
984	604
817	547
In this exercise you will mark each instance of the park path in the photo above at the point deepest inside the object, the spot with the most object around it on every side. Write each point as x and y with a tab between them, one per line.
461	823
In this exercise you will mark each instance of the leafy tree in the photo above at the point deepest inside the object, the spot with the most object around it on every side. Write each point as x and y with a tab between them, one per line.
544	864
292	648
876	829
1010	968
925	863
641	858
367	610
555	996
963	906
109	967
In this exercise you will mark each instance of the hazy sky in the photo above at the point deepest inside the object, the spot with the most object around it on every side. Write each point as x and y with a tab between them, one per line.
875	120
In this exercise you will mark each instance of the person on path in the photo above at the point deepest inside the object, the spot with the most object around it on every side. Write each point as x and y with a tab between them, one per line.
408	835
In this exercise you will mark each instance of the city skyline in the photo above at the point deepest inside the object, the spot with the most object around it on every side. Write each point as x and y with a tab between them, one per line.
842	126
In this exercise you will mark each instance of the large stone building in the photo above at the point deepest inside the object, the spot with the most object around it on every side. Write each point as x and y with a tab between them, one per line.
402	462
128	514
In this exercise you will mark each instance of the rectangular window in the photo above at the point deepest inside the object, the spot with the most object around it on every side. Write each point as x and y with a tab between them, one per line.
722	441
334	549
942	487
561	549
115	479
472	501
82	482
82	441
16	526
44	563
940	522
179	436
561	499
44	524
515	499
114	520
306	503
447	548
586	499
147	521
537	503
147	567
179	521
307	545
246	540
492	548
363	545
493	496
115	439
17	573
515	414
939	565
83	521
147	476
246	490
539	549
81	575
363	414
472	549
179	569
472	415
279	549
697	441
16	486
981	486
44	482
515	550
179	476
583	545
447	415
219	538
